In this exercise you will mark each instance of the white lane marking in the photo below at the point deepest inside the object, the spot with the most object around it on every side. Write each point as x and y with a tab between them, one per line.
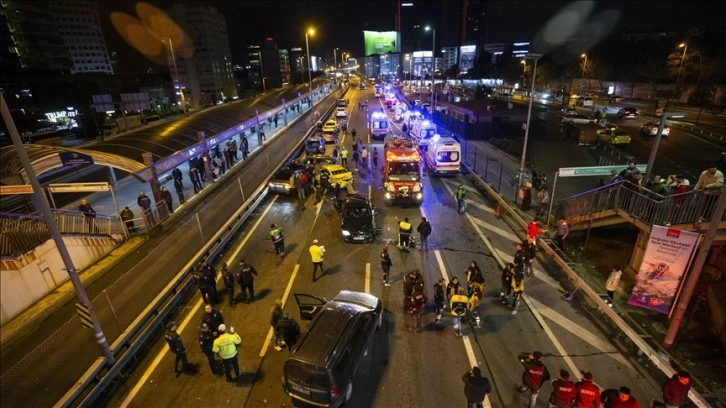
486	240
157	360
482	207
317	212
493	228
589	337
367	286
442	268
550	334
192	312
249	234
370	192
270	332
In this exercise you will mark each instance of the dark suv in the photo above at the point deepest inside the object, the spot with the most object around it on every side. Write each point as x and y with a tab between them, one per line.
357	221
322	364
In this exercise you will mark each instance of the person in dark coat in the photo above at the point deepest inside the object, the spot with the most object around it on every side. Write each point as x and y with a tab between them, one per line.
526	197
246	276
228	278
213	318
89	214
179	190
289	330
166	196
128	218
476	387
177	347
206	342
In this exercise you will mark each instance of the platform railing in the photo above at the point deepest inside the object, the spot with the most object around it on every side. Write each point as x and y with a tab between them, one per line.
641	203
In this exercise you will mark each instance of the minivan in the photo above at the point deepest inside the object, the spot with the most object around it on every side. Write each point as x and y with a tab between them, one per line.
322	364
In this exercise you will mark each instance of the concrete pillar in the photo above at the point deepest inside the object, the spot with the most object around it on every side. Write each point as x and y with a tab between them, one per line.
284	109
636	258
154	182
112	179
205	156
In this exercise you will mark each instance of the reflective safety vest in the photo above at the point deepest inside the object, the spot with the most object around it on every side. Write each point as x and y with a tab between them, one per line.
344	153
404	227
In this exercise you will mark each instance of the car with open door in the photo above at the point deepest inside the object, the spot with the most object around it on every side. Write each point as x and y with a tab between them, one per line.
321	366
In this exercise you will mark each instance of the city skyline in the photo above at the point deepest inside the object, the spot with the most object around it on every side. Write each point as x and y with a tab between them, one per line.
341	24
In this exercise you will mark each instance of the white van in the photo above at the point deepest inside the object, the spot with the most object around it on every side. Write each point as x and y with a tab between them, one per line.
422	130
443	156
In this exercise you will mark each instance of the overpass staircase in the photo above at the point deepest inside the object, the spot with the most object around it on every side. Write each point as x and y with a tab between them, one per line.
625	202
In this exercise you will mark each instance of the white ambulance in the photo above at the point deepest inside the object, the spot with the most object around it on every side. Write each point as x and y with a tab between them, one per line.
443	156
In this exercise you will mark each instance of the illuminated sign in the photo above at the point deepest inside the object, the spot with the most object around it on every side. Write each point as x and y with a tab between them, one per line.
422	54
467	53
380	42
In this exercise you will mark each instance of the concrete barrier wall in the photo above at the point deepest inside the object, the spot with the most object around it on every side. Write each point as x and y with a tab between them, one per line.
38	272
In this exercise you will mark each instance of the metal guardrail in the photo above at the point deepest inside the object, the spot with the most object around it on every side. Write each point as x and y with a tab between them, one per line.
140	331
21	233
641	203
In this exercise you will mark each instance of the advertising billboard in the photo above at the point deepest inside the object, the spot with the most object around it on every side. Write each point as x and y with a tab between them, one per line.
467	53
666	259
380	42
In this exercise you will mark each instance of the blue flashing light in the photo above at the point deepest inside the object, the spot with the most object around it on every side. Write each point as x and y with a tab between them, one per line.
436	138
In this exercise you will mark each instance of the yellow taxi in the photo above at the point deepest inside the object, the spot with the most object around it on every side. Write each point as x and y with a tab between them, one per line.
614	135
335	174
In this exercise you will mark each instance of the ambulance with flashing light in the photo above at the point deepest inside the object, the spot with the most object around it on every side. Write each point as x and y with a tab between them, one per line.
401	171
411	117
442	156
390	100
379	125
422	131
377	90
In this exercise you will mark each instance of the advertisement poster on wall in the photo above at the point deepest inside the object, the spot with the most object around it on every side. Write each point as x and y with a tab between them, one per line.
666	259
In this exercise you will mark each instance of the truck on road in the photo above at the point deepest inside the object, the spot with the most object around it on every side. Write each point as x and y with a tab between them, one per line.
401	171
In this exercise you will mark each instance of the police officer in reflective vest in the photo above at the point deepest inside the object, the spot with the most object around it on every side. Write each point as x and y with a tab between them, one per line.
404	233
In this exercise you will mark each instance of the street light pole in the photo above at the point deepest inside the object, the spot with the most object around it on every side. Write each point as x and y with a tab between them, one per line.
335	58
535	57
584	66
310	66
433	64
680	66
176	76
654	149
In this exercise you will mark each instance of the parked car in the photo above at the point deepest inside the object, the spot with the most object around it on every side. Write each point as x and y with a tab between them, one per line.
314	144
309	161
651	129
585	102
614	135
615	98
568	111
330	126
628	113
577	119
335	174
321	366
357	221
282	182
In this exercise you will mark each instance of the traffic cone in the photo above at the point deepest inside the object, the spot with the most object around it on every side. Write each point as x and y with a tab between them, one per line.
498	211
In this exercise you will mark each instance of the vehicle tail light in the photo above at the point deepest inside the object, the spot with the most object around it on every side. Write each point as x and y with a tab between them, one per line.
334	391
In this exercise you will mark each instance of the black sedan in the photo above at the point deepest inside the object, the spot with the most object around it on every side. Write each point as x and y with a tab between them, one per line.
357	221
628	113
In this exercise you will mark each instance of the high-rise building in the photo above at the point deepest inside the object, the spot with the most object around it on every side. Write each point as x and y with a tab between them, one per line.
79	24
208	74
30	38
449	58
285	65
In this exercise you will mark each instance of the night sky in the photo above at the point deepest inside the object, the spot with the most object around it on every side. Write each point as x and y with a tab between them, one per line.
340	23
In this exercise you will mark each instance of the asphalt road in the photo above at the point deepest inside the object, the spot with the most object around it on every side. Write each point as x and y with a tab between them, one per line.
403	368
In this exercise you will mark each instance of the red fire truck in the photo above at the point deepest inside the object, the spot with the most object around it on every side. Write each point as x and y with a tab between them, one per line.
401	171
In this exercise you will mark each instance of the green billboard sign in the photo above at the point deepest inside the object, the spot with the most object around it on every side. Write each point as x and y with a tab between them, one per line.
380	42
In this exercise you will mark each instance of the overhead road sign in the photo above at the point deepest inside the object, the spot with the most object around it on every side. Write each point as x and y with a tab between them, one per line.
594	170
16	189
